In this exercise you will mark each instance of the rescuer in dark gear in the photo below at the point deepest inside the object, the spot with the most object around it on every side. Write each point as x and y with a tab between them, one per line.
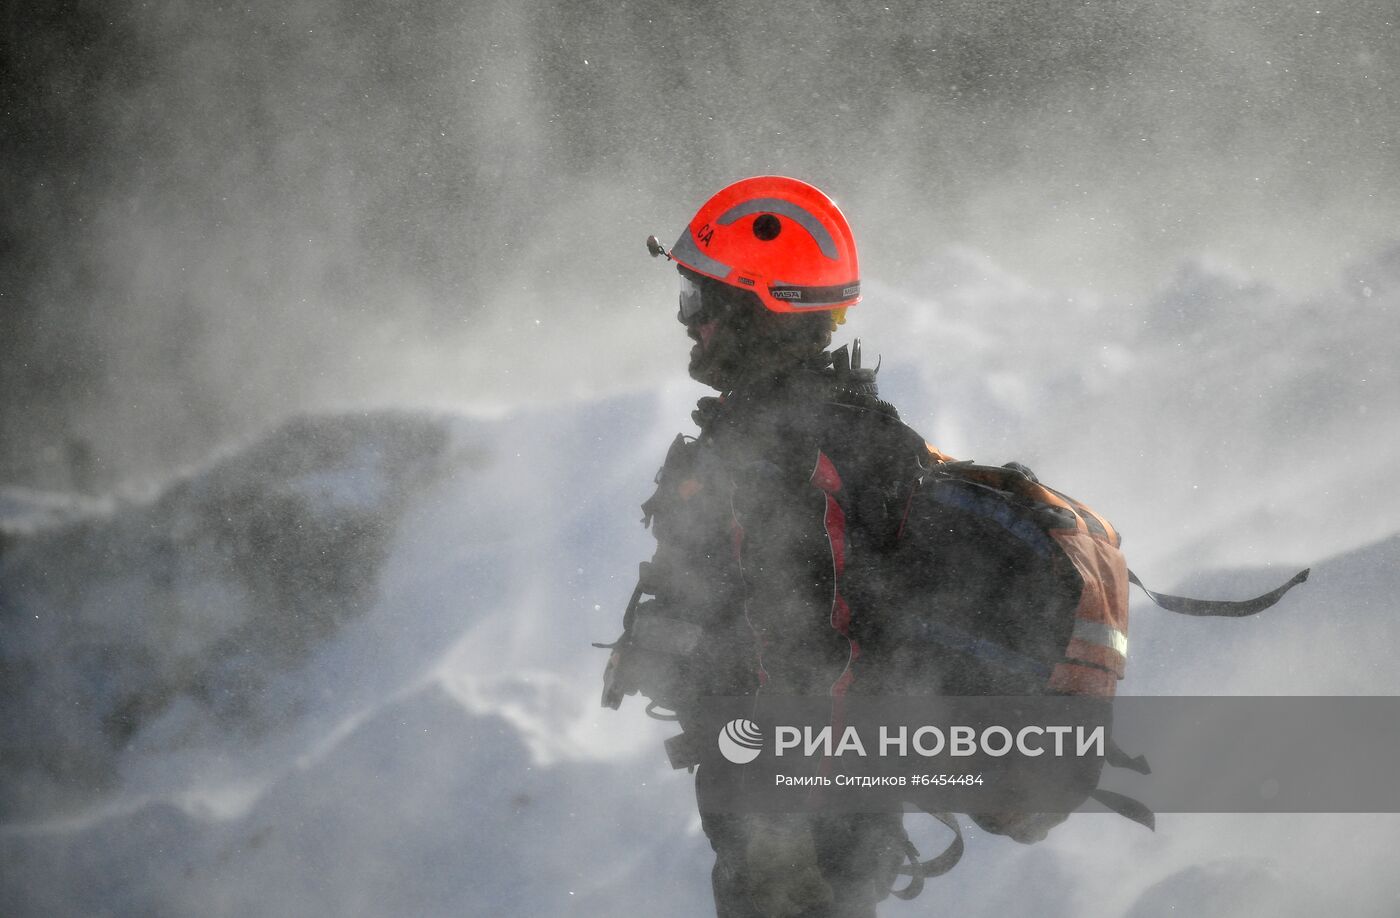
804	525
744	594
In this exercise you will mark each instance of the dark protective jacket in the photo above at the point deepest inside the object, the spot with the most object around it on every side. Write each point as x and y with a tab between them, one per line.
762	523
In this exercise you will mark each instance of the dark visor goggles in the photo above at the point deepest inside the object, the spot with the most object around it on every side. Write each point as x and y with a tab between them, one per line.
702	298
705	298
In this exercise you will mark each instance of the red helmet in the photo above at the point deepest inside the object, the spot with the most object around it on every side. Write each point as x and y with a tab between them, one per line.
778	237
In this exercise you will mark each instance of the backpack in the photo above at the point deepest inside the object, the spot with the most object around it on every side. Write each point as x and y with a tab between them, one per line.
995	584
1029	587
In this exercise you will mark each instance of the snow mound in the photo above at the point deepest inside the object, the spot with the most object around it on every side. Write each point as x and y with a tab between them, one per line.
173	617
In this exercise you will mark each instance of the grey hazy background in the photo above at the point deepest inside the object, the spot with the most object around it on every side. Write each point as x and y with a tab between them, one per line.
211	217
340	317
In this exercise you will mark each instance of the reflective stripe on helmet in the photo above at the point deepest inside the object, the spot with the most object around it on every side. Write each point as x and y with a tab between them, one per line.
803	217
814	297
688	253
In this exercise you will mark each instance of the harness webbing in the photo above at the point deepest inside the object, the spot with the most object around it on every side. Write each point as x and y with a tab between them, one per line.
1184	605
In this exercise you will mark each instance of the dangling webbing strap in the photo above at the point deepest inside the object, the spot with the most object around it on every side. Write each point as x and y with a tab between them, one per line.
1135	810
1226	608
917	871
1115	756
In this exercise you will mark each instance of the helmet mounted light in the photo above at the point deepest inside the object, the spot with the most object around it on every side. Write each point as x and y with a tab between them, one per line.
656	249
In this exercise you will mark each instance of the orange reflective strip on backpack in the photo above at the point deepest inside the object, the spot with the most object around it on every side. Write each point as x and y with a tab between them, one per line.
1100	632
1101	635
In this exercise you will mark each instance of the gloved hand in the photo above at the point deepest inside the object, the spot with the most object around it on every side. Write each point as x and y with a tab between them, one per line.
782	875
